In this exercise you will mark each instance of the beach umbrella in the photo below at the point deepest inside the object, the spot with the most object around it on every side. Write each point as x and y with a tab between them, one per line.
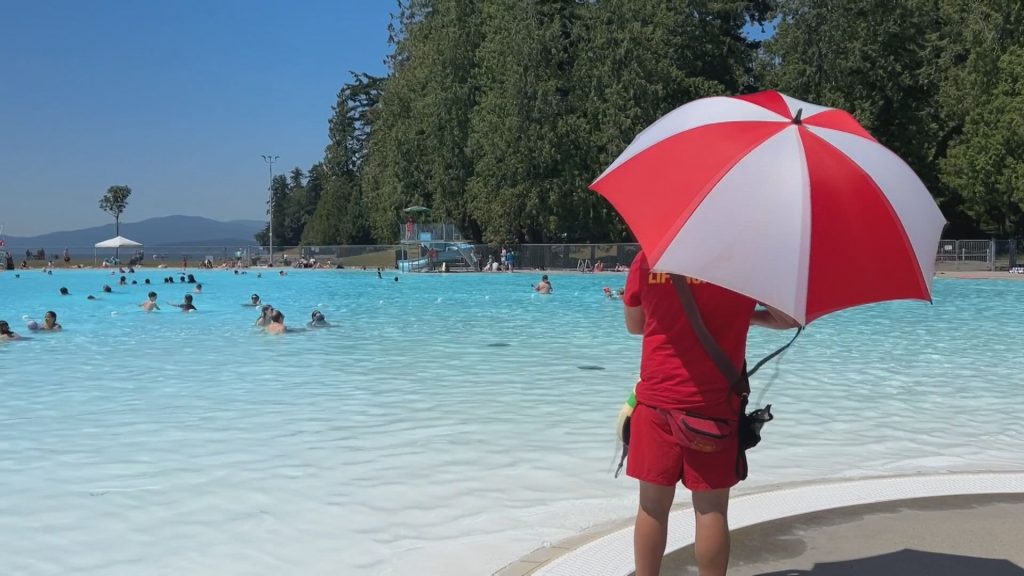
117	242
793	204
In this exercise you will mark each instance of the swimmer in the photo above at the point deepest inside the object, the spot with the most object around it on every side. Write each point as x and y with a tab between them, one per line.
5	331
254	300
318	320
64	291
544	287
276	325
150	305
123	281
90	297
266	313
146	281
379	275
49	323
191	279
106	288
396	278
185	306
199	289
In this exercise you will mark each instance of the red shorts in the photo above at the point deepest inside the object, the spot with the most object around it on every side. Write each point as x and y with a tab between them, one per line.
656	456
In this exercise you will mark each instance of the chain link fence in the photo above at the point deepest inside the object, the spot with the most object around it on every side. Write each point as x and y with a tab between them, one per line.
434	248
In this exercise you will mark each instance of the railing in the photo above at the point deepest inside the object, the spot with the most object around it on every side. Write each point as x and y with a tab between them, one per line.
951	255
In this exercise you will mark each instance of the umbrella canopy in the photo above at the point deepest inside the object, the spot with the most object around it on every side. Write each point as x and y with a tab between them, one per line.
790	203
416	210
117	242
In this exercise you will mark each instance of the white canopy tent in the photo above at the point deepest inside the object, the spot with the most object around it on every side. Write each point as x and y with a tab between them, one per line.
116	242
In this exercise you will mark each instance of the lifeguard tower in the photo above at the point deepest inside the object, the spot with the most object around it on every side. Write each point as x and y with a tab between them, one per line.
427	246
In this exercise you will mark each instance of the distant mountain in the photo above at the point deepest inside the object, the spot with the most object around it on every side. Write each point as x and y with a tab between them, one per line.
154	232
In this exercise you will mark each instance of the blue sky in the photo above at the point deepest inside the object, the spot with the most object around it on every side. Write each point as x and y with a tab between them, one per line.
176	99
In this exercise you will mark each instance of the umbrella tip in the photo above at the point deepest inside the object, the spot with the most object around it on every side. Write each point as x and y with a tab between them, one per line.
796	119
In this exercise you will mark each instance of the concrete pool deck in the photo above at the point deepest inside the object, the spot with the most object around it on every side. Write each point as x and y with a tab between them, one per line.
939	525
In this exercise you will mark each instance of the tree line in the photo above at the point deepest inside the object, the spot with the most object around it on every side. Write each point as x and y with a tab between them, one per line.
497	114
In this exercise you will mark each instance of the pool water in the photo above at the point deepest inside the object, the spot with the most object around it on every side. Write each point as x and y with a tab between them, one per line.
442	425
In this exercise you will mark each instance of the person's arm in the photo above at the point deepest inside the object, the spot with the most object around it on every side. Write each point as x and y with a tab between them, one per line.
635	319
633	305
773	319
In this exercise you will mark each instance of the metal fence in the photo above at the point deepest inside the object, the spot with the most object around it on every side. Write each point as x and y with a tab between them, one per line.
427	245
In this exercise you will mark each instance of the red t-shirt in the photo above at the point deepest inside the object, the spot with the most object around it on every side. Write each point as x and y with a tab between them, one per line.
675	371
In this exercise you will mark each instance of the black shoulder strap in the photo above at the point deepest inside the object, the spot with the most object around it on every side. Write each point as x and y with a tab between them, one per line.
739	382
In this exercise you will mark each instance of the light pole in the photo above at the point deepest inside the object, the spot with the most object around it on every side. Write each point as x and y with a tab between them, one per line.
270	164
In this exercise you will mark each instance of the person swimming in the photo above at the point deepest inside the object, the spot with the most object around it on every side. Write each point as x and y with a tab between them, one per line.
5	331
318	320
107	289
185	306
266	313
123	281
64	291
254	300
199	289
276	325
49	322
150	305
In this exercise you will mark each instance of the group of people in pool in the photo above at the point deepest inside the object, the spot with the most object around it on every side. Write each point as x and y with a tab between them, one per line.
272	319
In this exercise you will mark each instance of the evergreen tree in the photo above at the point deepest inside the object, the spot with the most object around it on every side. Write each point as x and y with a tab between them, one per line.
516	134
417	153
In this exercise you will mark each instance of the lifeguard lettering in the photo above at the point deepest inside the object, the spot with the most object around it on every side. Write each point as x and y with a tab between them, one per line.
664	278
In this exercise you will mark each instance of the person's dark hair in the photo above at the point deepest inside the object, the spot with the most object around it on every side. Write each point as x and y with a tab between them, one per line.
151	295
278	316
64	291
106	288
5	328
199	286
51	313
188	297
544	277
146	281
254	297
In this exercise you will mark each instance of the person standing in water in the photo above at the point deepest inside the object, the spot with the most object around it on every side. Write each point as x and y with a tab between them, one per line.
544	287
150	304
276	325
186	306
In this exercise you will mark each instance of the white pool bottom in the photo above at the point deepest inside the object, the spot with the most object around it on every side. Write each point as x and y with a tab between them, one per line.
612	554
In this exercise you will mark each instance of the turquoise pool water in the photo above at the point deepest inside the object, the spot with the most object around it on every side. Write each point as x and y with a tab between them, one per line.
441	426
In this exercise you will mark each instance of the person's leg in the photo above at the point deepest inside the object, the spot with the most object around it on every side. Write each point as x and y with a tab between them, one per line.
651	528
711	544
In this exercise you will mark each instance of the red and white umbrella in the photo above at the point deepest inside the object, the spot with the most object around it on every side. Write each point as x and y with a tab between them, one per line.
790	203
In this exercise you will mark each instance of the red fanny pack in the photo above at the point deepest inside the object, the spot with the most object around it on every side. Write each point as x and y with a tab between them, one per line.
698	432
